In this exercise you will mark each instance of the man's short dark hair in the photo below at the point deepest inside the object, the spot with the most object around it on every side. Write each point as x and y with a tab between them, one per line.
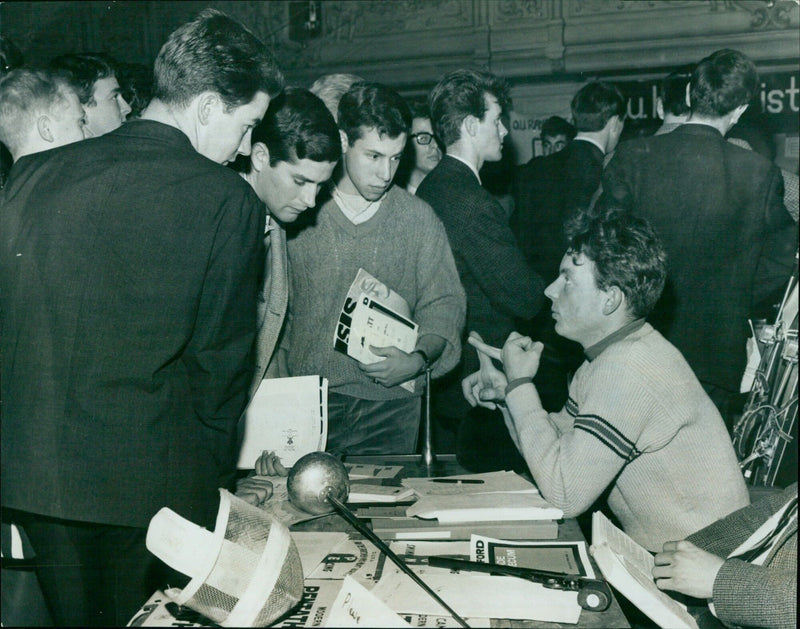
672	91
83	71
595	104
298	125
556	125
626	253
214	53
24	95
722	82
373	106
460	94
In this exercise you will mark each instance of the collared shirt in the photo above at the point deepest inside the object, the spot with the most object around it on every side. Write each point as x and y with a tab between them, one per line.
348	202
595	350
471	166
590	141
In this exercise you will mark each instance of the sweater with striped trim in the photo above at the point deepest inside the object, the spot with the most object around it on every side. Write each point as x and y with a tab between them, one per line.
638	420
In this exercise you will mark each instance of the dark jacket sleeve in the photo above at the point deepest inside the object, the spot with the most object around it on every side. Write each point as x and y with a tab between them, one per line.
219	357
498	266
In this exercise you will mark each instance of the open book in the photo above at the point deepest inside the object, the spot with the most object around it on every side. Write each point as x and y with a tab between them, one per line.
629	568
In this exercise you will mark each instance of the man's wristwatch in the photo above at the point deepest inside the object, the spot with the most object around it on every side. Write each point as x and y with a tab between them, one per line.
424	358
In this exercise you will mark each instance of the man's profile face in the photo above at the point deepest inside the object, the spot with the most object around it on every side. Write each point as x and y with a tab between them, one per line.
67	119
109	109
491	131
553	143
290	188
577	301
226	134
370	163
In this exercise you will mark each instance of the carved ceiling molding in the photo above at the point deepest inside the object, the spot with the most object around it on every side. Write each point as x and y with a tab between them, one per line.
764	14
514	10
767	15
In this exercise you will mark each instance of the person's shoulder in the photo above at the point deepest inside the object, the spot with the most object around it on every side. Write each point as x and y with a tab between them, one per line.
410	206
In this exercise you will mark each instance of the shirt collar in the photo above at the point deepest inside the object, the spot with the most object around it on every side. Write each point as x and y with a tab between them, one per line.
595	350
590	141
470	166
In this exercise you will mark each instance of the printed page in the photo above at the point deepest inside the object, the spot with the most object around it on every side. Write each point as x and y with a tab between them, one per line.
288	416
564	557
470	594
628	567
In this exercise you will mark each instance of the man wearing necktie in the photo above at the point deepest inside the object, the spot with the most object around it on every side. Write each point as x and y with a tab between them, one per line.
295	149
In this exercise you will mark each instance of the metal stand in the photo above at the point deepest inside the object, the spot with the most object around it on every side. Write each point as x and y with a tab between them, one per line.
428	456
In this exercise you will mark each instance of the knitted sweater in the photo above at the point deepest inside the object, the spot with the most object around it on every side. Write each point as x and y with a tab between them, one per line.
638	420
404	246
747	594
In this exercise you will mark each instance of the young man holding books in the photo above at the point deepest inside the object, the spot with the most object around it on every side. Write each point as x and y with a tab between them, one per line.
368	224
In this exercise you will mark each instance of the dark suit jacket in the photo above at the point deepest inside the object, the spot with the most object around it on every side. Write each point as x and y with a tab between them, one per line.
547	190
129	269
499	284
719	212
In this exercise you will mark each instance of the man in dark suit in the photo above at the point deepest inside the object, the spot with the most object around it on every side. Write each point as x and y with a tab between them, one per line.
547	190
129	270
466	108
719	210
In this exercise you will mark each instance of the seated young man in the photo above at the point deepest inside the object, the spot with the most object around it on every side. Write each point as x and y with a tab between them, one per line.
636	419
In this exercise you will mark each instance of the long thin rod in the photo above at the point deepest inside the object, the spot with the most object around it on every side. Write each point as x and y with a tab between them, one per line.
384	547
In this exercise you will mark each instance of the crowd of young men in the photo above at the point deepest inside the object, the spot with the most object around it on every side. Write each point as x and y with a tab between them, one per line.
147	291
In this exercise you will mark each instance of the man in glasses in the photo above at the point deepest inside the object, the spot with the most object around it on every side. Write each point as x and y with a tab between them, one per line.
423	149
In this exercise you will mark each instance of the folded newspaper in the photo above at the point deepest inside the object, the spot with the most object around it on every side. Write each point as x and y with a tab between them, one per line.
373	314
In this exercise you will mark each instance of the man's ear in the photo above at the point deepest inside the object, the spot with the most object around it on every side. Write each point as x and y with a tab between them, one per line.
207	102
259	156
737	113
471	125
345	141
614	299
43	127
688	95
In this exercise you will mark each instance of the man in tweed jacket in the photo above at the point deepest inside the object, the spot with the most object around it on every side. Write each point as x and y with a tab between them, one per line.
758	591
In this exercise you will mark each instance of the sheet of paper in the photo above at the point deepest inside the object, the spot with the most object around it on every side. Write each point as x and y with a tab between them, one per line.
361	493
355	606
564	557
358	558
470	594
487	482
357	471
314	546
288	416
485	507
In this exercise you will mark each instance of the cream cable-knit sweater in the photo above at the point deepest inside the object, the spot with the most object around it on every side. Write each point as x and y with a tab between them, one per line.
404	246
638	419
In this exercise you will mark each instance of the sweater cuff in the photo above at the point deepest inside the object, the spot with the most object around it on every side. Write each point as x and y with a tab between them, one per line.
517	382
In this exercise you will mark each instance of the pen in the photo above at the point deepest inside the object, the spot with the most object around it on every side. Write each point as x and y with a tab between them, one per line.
466	481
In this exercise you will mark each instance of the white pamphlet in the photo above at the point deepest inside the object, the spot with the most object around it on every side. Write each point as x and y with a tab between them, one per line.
288	416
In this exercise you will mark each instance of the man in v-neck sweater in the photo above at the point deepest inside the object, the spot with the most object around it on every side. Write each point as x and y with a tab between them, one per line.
369	224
